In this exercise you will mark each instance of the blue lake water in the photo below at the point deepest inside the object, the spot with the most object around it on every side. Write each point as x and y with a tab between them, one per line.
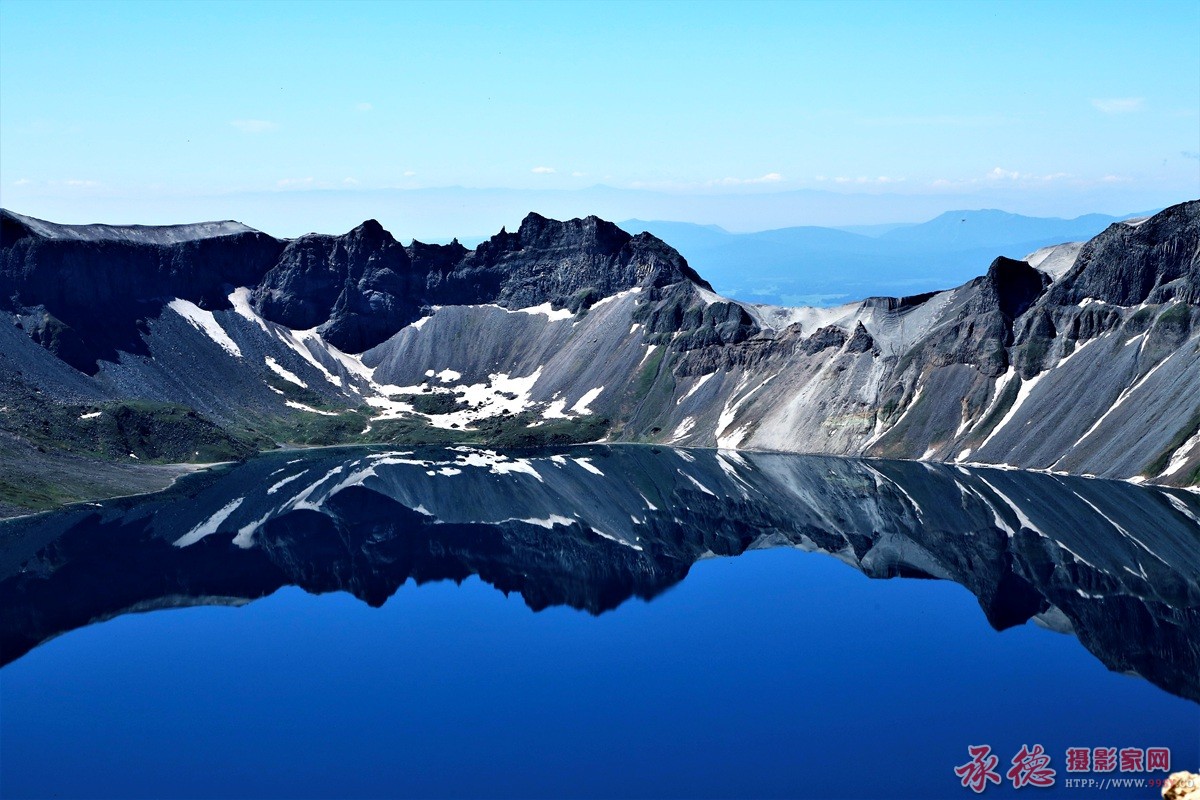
775	671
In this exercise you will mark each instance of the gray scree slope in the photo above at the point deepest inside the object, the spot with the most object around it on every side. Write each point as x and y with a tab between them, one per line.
1083	358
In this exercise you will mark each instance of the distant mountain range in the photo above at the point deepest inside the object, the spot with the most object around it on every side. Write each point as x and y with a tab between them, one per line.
812	265
144	345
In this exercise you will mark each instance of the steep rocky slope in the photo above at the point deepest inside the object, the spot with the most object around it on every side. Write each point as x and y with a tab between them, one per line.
1082	359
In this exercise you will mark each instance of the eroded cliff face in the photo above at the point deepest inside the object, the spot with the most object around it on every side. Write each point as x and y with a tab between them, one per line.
1081	359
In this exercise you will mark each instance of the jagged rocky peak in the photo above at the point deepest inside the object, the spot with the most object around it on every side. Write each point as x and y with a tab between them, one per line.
589	234
569	264
1156	260
573	263
1015	286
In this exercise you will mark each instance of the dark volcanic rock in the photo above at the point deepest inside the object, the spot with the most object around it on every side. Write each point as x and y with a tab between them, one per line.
361	287
1156	261
823	339
548	260
90	286
860	341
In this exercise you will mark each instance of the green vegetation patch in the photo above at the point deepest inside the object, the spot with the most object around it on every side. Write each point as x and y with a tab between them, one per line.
153	432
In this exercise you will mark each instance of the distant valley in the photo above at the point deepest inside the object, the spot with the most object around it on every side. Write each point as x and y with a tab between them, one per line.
829	266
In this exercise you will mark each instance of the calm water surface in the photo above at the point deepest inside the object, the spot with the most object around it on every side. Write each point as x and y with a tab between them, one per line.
704	628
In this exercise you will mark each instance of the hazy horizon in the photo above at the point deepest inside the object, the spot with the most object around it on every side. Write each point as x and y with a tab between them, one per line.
443	213
446	120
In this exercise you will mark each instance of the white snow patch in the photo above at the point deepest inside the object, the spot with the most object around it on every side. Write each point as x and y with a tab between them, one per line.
206	323
448	376
649	352
1180	456
697	483
92	415
240	300
582	406
548	311
1022	518
735	456
285	482
729	413
245	535
309	409
286	374
612	538
586	463
210	525
549	522
682	429
1022	395
1182	508
556	410
494	462
696	387
603	301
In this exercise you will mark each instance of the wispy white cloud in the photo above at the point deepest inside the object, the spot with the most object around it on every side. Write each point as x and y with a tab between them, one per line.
254	125
1000	175
1119	105
770	177
543	170
350	181
22	182
578	174
408	173
861	180
82	184
364	107
295	183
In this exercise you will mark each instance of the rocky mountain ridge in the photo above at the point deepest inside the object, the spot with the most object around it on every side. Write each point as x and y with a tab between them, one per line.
1081	358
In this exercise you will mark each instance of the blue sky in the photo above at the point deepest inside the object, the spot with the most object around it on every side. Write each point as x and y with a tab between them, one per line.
111	111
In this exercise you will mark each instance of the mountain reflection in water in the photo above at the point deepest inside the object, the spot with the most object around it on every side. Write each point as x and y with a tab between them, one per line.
1116	564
